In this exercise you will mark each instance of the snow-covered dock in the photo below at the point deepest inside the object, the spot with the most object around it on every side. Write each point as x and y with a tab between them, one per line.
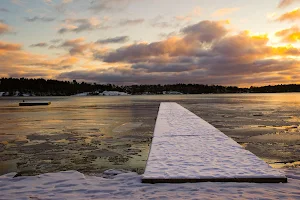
185	148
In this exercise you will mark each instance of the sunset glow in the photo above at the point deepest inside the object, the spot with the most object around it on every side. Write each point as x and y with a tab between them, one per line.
152	41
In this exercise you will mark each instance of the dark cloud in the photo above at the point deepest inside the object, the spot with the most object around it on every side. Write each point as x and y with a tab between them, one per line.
204	53
128	77
205	31
120	77
175	67
137	52
80	25
234	46
41	44
41	19
214	72
3	10
207	42
54	41
76	46
119	39
223	66
127	22
194	37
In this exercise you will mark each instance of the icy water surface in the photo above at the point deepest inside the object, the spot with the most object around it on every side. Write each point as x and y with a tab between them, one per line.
93	134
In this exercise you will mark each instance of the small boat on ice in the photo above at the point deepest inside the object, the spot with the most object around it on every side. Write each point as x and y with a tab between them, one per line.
34	103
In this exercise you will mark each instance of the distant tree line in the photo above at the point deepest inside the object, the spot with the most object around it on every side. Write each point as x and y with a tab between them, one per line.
42	87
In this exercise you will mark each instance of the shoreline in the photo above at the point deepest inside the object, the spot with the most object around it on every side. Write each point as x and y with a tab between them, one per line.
119	185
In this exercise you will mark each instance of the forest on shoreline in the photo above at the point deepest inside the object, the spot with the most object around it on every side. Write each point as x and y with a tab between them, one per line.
42	87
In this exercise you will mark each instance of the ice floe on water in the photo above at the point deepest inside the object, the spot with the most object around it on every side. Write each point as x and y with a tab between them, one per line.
120	185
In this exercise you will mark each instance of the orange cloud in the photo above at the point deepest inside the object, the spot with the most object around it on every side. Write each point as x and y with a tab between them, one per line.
224	11
4	28
4	46
16	62
205	52
291	35
285	51
77	46
290	16
78	25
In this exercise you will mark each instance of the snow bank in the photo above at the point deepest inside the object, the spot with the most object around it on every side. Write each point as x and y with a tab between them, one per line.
76	186
16	94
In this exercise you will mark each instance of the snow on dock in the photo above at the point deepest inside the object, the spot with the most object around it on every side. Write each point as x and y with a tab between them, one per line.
185	148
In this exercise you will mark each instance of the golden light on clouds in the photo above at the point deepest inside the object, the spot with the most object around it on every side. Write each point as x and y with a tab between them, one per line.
120	41
290	35
291	16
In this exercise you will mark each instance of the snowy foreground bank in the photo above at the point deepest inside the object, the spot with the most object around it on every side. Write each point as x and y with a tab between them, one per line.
117	185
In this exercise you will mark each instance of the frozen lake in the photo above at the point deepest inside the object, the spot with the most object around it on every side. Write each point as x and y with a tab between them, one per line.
94	134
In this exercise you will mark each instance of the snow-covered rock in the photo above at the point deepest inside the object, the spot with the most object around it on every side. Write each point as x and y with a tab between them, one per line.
26	95
171	92
113	93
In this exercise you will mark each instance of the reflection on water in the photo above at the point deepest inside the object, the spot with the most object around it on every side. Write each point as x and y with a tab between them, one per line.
91	134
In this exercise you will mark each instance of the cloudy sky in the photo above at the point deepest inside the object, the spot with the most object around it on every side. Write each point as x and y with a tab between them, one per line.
228	42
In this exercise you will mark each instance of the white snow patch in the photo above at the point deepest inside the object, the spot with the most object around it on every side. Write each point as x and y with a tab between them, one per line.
76	186
187	147
81	94
113	93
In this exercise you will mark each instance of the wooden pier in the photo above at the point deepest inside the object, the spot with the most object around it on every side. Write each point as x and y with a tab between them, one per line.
34	103
185	148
